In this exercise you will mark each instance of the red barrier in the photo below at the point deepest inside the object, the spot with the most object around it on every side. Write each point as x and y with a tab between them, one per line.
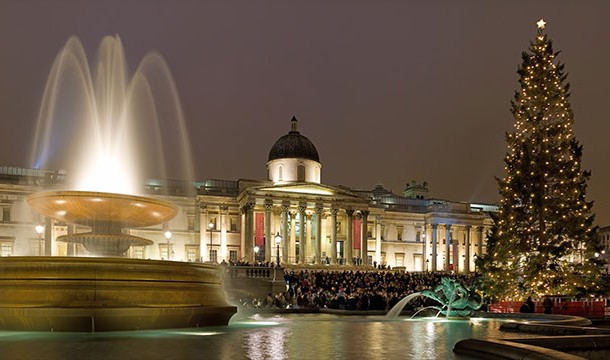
590	309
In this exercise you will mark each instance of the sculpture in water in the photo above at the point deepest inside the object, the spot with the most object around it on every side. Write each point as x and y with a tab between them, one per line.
455	300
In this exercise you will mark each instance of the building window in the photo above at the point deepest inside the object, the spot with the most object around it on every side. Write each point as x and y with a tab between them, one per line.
399	233
213	255
138	252
301	173
192	252
400	259
369	230
233	255
37	247
6	213
280	172
233	223
418	236
191	221
164	251
6	247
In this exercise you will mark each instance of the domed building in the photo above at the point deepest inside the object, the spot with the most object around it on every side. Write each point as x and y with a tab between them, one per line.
291	216
293	158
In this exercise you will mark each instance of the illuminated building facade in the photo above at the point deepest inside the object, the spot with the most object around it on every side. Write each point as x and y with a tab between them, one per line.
292	211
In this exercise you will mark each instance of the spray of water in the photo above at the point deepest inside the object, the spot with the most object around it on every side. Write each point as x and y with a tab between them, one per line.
111	131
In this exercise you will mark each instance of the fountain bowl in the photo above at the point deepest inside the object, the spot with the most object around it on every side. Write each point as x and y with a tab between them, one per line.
91	207
106	213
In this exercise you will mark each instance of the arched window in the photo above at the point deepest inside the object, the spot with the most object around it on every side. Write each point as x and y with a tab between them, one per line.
280	171
301	172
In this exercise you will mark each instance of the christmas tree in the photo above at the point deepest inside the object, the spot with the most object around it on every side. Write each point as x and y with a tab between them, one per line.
543	241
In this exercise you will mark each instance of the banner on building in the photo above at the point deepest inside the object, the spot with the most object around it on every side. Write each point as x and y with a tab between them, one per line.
259	229
357	233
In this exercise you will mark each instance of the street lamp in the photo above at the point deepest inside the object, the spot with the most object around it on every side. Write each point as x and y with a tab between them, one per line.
39	230
168	237
427	262
475	257
278	240
211	227
256	250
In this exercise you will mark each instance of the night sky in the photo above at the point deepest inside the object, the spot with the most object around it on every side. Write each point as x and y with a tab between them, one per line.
388	91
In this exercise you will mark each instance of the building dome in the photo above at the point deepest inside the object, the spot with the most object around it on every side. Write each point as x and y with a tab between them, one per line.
293	145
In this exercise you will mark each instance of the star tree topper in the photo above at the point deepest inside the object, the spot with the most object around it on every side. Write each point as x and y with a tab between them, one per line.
541	24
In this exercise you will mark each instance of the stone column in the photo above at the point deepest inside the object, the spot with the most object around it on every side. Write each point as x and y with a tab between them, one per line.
349	243
364	243
467	250
203	233
268	235
447	246
480	240
318	243
224	215
242	232
248	240
284	233
302	232
293	235
434	246
48	236
333	235
424	237
378	239
456	253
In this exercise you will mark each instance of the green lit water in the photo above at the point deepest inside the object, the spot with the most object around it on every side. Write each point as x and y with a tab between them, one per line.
286	336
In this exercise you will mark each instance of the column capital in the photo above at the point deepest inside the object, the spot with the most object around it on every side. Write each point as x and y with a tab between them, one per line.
349	212
480	228
285	207
467	227
247	207
302	208
434	226
224	208
319	209
365	213
448	226
334	211
268	205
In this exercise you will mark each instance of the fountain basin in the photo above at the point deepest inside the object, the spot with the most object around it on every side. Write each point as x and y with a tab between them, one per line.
109	294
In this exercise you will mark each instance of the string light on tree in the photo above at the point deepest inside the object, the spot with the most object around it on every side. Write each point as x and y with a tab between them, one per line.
543	240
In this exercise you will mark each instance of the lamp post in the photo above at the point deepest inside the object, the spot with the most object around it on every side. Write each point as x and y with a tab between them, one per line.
256	250
475	257
39	230
168	237
278	240
211	227
427	262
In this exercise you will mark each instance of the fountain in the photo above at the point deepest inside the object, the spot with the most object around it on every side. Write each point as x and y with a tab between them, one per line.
455	299
100	126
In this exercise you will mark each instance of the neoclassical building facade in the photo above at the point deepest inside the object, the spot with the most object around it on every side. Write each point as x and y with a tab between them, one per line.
291	216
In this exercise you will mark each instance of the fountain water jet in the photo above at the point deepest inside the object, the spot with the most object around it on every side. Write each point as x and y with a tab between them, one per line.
99	126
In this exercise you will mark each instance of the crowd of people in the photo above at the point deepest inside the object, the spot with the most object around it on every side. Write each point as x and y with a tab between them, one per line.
350	289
